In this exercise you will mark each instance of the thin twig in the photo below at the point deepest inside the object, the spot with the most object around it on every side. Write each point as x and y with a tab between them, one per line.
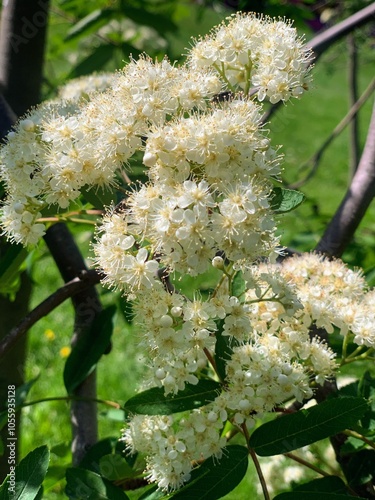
301	461
353	98
356	435
112	404
317	156
256	463
260	474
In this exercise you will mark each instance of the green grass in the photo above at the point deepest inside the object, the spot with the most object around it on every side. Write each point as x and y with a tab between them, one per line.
301	128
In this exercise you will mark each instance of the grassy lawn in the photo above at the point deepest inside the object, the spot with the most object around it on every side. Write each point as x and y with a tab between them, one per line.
300	127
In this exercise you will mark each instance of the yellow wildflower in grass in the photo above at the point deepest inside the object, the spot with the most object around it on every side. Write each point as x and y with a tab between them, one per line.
65	351
49	334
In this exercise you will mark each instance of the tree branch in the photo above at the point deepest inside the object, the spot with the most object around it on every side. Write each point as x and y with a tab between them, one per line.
321	42
22	42
355	203
87	306
85	280
7	117
20	83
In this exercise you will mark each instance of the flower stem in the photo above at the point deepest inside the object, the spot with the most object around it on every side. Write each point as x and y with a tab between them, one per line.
256	463
360	357
212	363
307	464
112	404
356	435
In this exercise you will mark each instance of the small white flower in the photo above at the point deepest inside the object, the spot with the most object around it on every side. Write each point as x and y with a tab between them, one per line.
138	271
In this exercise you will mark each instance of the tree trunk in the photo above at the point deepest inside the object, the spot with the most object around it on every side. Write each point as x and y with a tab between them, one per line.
22	42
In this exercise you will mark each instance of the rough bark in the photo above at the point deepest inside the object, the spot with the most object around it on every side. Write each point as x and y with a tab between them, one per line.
71	288
352	209
22	43
87	306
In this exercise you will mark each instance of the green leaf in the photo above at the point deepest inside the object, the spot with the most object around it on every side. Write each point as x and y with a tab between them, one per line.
238	285
304	427
126	308
352	445
55	476
62	450
160	23
366	389
311	495
23	390
223	349
92	457
94	62
29	474
89	348
90	23
99	197
115	467
39	495
361	468
153	493
154	402
285	200
3	418
10	263
4	494
349	389
82	483
332	484
215	478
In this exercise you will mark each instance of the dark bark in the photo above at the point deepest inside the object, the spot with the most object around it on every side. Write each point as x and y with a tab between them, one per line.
87	306
7	117
361	192
22	43
71	288
12	366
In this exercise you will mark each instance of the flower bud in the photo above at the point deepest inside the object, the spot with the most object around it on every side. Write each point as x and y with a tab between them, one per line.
218	262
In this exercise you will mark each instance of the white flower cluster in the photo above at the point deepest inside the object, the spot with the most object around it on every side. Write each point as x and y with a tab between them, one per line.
261	376
59	149
209	191
25	170
333	296
81	88
172	447
273	361
206	207
259	52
